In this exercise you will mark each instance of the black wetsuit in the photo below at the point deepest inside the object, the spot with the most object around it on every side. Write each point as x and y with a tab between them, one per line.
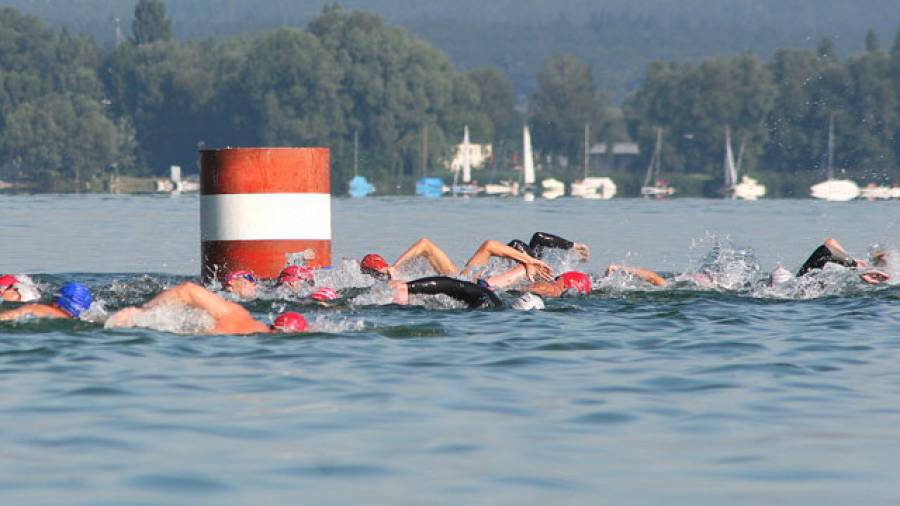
823	255
539	241
471	294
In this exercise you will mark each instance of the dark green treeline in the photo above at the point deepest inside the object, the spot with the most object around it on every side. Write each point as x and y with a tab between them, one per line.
72	111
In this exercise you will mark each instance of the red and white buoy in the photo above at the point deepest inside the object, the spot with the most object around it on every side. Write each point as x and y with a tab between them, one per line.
260	205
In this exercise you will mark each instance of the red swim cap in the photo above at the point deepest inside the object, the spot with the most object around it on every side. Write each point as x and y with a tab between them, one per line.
577	280
324	294
373	263
290	322
7	281
295	273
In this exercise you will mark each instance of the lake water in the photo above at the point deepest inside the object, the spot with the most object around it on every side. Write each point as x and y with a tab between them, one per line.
629	396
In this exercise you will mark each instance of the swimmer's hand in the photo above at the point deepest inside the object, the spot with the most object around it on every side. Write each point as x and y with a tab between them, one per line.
874	277
123	318
583	251
538	271
860	263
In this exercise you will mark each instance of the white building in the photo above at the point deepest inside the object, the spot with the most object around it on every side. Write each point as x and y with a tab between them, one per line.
479	154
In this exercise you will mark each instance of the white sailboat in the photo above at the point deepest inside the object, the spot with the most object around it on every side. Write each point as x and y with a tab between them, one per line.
873	191
600	188
748	188
528	179
467	187
659	189
833	190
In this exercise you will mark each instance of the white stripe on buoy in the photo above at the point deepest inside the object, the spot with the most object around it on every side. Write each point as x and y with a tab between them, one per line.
265	216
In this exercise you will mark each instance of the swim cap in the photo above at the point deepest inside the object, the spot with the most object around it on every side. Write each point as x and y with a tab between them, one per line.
373	263
290	322
241	274
27	292
780	275
577	280
528	301
324	294
293	273
74	299
7	281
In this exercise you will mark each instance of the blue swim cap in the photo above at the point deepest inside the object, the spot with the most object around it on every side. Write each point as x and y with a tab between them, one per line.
74	299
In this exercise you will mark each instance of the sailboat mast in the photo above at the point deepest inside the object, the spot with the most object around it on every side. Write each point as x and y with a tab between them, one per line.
587	149
424	150
355	153
830	164
467	163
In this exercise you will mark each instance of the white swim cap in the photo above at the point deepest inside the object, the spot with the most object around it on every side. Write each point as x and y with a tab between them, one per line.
28	291
528	301
781	275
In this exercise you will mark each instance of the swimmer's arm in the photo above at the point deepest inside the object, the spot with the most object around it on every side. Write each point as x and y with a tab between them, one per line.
491	248
35	310
507	278
194	295
545	240
639	272
546	289
439	260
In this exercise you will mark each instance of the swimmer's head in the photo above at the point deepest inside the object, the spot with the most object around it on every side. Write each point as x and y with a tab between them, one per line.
74	299
518	245
375	265
528	302
8	290
780	275
324	294
576	280
289	322
295	276
241	283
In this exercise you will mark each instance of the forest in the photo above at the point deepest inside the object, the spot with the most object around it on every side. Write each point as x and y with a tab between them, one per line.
73	109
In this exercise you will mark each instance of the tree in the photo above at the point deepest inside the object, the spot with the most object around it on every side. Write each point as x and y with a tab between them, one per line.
392	85
825	49
150	23
565	101
497	101
65	135
872	44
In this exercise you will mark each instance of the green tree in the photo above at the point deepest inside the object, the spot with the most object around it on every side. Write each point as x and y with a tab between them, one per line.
392	85
165	89
497	100
150	22
66	136
565	101
872	44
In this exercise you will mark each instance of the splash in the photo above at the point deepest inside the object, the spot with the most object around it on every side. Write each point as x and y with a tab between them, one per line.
171	318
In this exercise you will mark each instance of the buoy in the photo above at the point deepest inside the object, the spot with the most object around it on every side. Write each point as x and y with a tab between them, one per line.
261	206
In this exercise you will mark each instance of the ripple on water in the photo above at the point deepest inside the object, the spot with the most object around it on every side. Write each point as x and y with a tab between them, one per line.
180	483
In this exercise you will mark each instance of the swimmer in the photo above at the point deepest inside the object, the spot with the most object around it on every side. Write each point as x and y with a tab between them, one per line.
832	252
70	303
18	289
242	284
473	295
228	317
296	277
375	265
542	240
